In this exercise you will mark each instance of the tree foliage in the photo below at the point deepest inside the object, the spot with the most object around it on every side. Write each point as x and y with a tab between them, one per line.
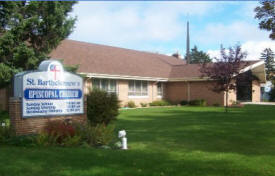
224	70
266	13
29	30
197	57
268	56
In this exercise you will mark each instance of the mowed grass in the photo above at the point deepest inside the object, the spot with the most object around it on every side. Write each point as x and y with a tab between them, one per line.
178	141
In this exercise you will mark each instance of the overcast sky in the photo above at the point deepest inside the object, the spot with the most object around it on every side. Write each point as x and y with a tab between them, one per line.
161	26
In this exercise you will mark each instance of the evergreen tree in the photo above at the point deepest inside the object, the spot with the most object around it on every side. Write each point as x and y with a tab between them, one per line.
29	31
268	56
197	57
266	13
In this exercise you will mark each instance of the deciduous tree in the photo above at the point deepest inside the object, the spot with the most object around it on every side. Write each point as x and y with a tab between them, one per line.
224	70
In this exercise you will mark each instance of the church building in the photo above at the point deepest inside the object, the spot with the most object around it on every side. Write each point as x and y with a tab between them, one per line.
144	77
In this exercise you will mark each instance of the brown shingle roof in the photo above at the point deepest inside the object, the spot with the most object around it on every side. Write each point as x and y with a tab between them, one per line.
193	70
94	58
185	71
101	59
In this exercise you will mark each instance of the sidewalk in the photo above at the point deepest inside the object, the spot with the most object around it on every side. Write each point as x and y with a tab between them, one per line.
259	103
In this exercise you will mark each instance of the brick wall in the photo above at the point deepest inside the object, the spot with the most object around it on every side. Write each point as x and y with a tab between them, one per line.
23	126
124	98
122	90
256	91
178	91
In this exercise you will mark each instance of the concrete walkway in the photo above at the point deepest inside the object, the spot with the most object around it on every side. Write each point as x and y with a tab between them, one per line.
259	103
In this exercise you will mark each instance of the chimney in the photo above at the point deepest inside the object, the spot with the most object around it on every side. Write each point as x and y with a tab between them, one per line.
187	45
177	55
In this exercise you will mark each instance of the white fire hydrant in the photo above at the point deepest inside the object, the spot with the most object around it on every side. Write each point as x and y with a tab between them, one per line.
122	135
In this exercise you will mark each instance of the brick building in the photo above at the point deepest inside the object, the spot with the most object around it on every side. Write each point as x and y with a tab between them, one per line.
144	77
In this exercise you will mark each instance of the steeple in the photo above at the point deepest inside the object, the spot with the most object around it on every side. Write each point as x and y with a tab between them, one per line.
187	45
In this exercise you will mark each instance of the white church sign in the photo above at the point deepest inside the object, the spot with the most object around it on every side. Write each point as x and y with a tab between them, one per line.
50	91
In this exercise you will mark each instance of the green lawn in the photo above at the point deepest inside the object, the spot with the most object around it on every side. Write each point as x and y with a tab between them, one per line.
175	141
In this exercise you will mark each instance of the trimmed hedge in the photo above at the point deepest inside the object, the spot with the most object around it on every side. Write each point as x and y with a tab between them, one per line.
184	102
160	103
143	104
131	104
197	102
200	102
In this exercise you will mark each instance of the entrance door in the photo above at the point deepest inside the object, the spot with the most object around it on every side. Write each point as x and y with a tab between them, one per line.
244	92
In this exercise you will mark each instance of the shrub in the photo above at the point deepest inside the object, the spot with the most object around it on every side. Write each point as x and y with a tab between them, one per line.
72	141
58	131
42	139
184	102
131	104
159	103
4	116
203	102
216	104
5	133
143	104
7	136
26	140
84	135
100	135
198	102
102	107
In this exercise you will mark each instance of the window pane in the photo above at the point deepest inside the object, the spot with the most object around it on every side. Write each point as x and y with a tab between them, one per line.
112	86
160	88
131	93
95	83
144	88
144	94
138	88
104	84
131	86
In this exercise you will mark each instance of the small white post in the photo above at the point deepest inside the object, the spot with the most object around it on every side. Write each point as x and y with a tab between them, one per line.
122	135
124	143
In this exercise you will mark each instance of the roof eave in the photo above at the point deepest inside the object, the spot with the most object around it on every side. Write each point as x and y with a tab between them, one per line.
255	70
126	77
189	79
